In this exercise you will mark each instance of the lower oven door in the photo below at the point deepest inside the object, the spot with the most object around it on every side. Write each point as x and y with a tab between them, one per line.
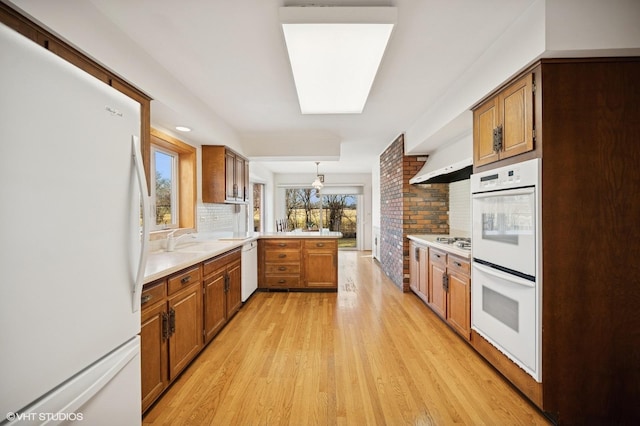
504	310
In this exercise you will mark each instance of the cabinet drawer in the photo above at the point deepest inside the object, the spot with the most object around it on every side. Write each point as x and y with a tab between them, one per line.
219	262
284	244
285	281
455	263
437	256
153	294
282	256
183	279
282	268
321	244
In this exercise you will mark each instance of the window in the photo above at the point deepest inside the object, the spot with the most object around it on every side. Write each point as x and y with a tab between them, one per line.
164	194
336	210
182	175
258	207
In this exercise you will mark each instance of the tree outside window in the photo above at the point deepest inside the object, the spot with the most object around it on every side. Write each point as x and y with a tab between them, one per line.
164	192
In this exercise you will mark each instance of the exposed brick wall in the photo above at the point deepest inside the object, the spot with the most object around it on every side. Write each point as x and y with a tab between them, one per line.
391	213
406	209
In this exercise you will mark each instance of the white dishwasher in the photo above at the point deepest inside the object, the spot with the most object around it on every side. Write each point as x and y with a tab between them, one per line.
249	269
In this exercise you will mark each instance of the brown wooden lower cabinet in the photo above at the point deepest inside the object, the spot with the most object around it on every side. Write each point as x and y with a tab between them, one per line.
443	281
320	263
185	327
298	263
153	342
418	270
181	314
437	272
459	295
222	292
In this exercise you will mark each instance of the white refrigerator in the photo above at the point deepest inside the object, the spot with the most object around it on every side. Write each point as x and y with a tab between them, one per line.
72	243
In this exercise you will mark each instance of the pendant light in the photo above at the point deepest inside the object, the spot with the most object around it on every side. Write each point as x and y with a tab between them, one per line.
317	184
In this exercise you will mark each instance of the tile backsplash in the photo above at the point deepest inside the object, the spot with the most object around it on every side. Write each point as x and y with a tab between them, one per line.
221	218
213	220
460	207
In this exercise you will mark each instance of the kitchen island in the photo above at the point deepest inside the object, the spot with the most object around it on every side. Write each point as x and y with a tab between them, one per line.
300	261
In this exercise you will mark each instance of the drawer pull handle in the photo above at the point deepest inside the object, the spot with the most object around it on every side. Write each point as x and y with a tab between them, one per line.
437	255
319	244
282	281
282	268
458	264
282	255
145	299
186	279
282	245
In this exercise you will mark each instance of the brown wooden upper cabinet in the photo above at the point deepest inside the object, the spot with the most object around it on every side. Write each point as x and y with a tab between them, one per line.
225	175
503	125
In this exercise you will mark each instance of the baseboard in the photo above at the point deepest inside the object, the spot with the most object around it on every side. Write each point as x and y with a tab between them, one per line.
517	376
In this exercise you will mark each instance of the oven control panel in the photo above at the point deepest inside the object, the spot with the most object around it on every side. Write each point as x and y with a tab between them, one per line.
512	176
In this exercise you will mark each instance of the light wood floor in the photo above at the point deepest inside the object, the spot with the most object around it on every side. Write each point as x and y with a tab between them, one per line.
368	354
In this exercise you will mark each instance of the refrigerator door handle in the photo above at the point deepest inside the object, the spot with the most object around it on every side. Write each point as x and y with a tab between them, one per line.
142	182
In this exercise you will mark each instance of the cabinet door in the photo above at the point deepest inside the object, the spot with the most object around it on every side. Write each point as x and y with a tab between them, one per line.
185	319
418	270
437	299
239	179
153	352
215	302
213	174
229	169
234	290
486	118
458	303
320	263
320	267
516	103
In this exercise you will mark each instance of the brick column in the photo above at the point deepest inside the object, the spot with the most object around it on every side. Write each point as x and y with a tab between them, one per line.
406	209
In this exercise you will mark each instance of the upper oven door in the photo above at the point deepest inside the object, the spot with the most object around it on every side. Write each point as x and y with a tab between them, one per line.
504	229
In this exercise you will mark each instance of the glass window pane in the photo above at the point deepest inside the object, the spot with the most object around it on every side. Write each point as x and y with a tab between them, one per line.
165	188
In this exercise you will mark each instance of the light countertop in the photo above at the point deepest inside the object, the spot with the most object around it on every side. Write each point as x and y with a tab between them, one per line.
301	234
430	240
189	252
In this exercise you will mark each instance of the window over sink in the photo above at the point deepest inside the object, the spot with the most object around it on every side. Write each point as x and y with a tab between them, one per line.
173	185
164	193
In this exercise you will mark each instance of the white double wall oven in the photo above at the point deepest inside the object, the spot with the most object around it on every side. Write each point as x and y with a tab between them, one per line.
506	281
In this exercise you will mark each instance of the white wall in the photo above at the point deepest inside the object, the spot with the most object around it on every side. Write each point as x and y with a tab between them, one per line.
260	174
354	179
584	26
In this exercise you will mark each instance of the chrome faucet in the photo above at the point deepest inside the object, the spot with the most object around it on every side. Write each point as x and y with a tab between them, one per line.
172	241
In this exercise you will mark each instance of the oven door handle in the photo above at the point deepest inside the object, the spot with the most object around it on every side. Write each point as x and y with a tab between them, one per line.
503	275
519	191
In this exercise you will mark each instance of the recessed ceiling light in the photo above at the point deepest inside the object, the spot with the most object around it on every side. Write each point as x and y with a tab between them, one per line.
335	53
183	129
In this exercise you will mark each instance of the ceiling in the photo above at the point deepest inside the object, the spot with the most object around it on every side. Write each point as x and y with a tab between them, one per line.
221	68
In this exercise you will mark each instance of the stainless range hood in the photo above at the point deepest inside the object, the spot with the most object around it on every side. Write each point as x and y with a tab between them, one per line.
449	163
